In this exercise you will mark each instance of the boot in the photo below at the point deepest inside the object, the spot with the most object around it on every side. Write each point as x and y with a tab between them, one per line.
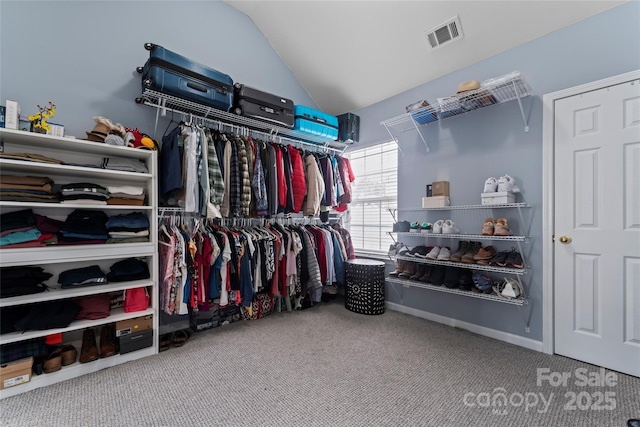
437	275
419	272
399	268
451	276
108	345
465	280
426	276
408	271
472	250
463	246
89	351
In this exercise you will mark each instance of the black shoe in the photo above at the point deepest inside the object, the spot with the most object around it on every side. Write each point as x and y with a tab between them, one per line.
634	422
451	276
437	275
419	272
465	280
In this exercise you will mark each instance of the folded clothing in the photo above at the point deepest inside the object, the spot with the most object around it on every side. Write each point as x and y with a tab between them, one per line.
14	182
93	307
127	270
20	237
91	275
132	190
128	165
18	219
134	221
48	315
22	280
85	222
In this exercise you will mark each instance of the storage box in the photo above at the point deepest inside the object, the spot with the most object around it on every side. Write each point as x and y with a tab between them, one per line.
132	326
440	188
498	198
435	202
136	341
12	115
202	320
16	372
349	128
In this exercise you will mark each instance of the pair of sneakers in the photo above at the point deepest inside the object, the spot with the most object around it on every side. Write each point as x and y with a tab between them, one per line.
439	253
497	227
444	227
504	183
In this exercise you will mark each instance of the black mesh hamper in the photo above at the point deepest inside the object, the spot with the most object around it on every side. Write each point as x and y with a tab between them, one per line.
364	290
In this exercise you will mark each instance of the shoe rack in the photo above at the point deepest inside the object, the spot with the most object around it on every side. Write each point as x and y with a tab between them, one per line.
58	258
469	217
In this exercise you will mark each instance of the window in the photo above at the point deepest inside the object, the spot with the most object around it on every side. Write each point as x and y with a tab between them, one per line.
375	191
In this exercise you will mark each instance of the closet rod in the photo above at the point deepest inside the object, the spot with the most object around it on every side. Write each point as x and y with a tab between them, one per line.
243	130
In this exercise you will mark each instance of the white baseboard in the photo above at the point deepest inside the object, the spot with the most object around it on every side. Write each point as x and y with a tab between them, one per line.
476	329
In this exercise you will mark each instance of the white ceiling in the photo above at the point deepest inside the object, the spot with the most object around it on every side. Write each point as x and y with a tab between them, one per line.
351	54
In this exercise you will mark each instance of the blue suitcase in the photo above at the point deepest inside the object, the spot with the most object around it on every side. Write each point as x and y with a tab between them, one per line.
168	72
314	122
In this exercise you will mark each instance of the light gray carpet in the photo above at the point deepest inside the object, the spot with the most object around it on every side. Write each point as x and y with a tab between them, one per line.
326	366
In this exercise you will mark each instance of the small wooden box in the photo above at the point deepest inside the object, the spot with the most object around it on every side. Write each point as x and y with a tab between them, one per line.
440	188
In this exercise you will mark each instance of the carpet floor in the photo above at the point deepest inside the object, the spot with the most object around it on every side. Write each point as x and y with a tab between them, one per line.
327	366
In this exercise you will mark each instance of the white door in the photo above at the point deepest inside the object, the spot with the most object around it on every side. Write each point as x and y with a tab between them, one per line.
597	227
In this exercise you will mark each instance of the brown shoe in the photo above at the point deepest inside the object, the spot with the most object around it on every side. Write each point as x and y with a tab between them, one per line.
502	228
89	351
408	270
53	362
472	250
484	254
69	354
487	227
108	346
463	247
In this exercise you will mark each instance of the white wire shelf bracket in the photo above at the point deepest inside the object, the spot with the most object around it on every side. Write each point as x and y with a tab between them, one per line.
423	285
507	88
242	125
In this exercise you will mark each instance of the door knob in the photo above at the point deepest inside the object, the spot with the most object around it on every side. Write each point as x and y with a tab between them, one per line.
565	240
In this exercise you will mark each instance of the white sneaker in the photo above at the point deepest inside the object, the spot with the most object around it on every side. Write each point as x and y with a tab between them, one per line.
490	185
445	254
433	254
436	228
448	227
506	183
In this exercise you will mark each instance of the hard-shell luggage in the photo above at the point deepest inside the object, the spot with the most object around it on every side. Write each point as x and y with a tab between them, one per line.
349	128
168	72
316	122
254	103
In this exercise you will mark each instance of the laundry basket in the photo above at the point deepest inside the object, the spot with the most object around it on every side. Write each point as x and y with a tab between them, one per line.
364	290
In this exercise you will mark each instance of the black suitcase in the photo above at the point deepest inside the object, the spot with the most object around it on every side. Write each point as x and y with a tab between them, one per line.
254	103
348	128
168	72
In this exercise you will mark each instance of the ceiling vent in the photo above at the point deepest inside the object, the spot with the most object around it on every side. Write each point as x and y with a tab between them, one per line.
444	33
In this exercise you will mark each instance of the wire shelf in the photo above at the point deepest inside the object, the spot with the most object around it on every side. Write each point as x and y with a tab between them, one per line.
467	207
463	236
164	103
483	267
491	297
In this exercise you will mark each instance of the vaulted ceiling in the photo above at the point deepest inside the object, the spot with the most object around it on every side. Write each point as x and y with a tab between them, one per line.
351	54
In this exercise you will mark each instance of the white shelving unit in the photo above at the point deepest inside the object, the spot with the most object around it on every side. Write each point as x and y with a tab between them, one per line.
517	239
504	89
75	154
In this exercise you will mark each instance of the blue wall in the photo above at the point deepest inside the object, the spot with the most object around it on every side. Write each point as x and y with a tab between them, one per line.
83	55
467	149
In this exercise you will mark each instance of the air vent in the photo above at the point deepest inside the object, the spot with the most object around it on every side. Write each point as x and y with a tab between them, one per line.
444	33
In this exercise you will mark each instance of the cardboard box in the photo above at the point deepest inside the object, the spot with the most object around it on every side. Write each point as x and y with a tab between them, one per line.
498	198
16	372
136	341
12	115
202	320
440	188
435	202
132	326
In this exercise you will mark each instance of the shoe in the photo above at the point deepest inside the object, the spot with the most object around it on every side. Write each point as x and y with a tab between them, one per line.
451	277
433	254
437	227
425	227
490	185
499	258
501	228
506	183
472	250
399	268
408	271
414	227
426	277
465	280
403	251
437	275
482	282
53	362
421	251
69	354
165	342
89	351
487	227
444	254
419	272
514	259
462	249
448	227
485	254
108	345
634	422
180	337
